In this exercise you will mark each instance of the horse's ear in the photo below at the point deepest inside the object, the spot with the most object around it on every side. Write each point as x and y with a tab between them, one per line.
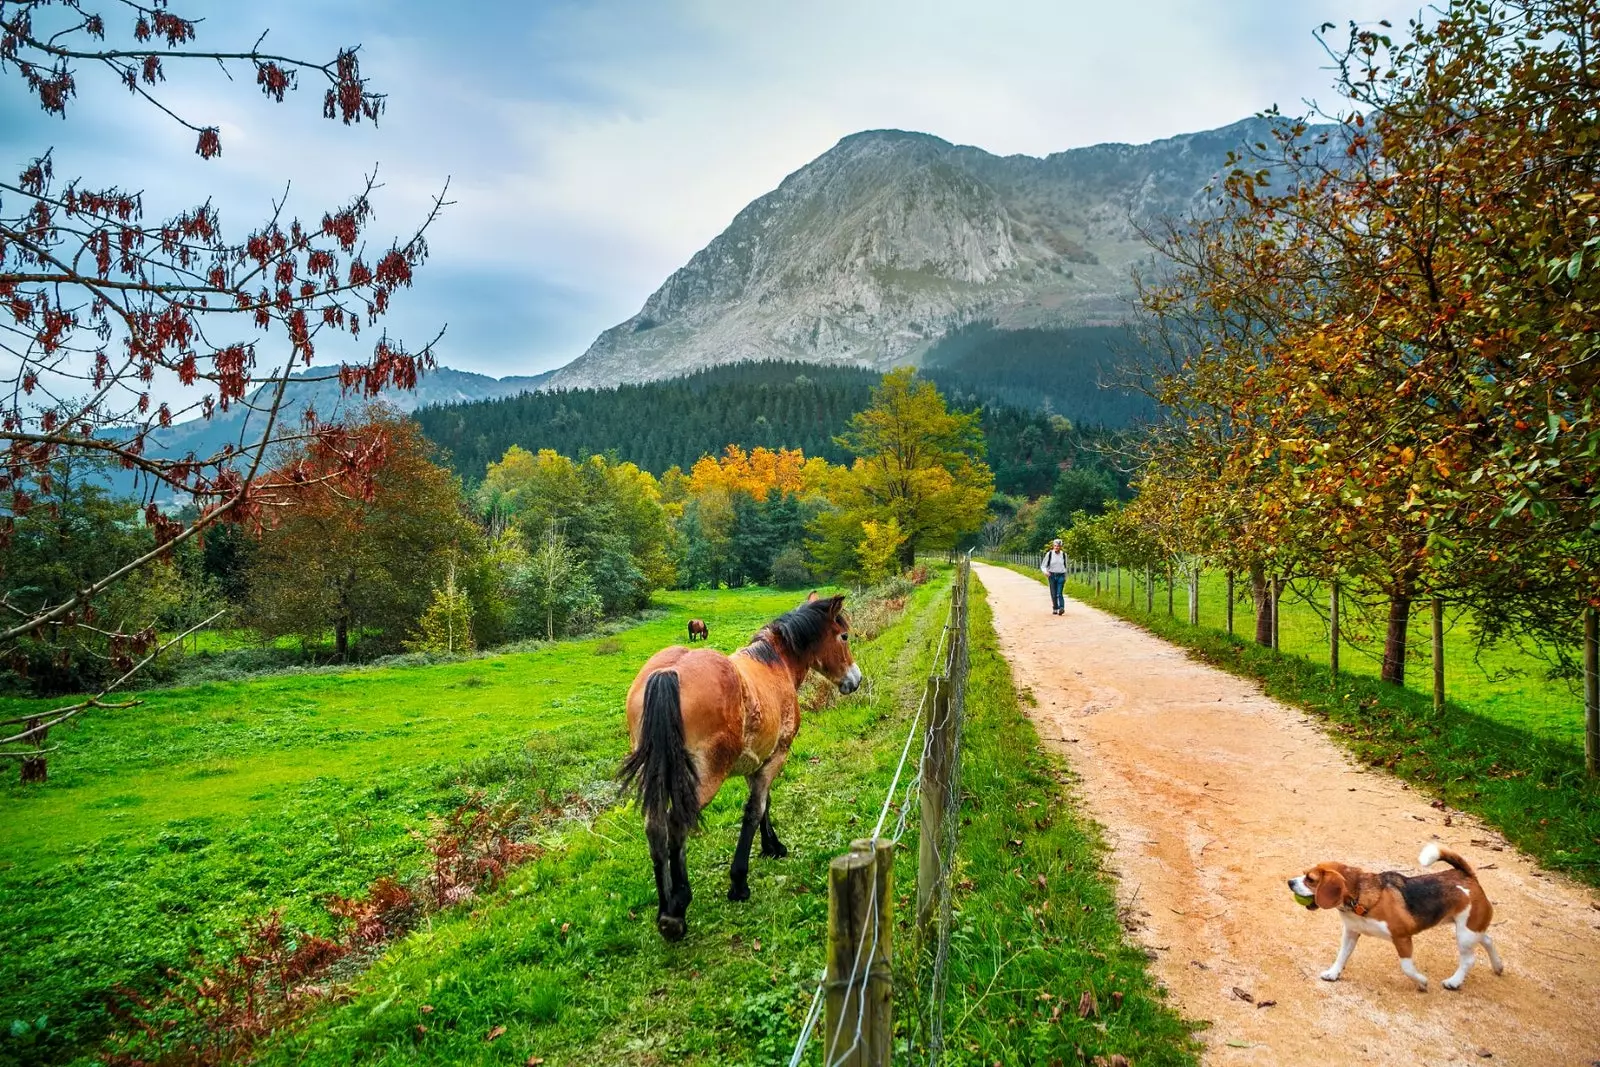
836	605
811	596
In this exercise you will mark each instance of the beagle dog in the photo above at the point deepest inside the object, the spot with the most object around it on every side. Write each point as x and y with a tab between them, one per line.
1396	908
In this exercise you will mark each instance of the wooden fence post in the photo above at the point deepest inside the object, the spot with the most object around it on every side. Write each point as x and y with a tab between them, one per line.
1230	603
1438	654
1149	590
1118	568
860	990
934	791
1591	693
1333	628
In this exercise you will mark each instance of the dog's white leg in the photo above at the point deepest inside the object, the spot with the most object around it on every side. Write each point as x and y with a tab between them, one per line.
1346	946
1467	945
1494	957
1412	973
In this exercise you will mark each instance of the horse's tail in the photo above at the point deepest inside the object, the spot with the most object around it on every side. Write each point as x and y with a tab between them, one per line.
659	770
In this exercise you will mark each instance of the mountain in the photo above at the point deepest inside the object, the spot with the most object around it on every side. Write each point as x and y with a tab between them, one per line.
241	424
889	240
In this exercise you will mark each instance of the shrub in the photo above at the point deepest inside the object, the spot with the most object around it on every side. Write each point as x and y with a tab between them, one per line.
790	570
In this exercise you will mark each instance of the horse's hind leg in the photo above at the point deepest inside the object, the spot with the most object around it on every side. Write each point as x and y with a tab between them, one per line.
679	866
664	858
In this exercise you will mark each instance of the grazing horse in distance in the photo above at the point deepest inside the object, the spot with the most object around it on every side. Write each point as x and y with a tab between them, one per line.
697	628
697	716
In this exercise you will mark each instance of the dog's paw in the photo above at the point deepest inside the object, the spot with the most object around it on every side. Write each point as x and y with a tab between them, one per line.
1330	975
1499	968
1422	984
1452	983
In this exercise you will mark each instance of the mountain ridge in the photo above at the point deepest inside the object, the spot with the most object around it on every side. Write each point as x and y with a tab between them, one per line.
871	252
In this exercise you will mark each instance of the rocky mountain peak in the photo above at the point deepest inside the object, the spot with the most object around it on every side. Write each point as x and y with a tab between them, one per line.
884	243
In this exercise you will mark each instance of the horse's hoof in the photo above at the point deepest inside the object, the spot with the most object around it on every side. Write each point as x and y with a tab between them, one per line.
672	928
738	892
776	851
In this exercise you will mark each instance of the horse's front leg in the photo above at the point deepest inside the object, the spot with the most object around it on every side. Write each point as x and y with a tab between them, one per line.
755	806
756	817
771	847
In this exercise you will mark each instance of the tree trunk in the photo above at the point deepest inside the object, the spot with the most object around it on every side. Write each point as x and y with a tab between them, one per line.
1169	591
34	768
341	638
1194	595
1394	644
1149	590
908	554
1263	604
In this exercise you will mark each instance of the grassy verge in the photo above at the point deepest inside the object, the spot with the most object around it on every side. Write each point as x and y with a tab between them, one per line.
210	805
1526	784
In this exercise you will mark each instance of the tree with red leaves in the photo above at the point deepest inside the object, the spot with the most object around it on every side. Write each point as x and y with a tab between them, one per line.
102	309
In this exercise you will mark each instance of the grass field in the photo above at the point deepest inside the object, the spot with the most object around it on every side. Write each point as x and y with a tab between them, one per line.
1527	782
1504	683
164	825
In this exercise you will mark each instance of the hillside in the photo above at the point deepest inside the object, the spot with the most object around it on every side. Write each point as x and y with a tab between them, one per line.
242	424
879	247
777	404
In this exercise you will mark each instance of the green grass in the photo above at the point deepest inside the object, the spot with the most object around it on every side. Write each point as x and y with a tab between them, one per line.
567	958
164	824
1504	682
1527	783
210	805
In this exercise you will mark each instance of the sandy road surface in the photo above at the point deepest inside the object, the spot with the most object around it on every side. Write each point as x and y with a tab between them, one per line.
1213	794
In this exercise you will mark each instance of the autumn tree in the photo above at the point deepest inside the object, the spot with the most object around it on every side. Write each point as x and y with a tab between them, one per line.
110	309
918	463
354	565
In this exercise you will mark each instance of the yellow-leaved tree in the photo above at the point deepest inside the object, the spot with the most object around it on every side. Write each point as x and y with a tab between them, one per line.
917	463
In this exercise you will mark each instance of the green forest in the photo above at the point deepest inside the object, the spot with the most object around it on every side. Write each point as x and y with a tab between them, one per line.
773	405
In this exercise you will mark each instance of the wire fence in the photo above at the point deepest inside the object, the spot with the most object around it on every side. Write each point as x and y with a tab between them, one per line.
855	1000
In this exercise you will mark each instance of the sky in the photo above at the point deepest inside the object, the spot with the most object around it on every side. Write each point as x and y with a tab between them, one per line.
591	147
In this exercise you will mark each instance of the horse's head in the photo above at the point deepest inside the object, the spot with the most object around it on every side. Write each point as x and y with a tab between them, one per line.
830	654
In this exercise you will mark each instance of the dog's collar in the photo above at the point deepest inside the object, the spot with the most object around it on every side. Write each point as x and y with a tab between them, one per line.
1353	905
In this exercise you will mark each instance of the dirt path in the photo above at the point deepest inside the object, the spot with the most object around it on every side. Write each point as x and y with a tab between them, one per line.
1213	794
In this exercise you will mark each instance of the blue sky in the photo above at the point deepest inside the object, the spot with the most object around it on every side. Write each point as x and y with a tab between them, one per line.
593	147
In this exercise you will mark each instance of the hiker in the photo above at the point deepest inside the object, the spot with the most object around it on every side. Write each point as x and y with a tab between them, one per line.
1054	566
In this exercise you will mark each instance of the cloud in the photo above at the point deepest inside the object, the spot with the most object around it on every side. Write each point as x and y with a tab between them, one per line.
592	148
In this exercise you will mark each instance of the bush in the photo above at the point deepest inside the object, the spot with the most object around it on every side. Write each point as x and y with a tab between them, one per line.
790	570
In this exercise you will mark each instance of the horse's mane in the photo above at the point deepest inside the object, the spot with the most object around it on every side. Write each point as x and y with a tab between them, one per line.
800	630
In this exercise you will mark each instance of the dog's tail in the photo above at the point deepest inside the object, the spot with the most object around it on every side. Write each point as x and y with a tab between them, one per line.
1432	853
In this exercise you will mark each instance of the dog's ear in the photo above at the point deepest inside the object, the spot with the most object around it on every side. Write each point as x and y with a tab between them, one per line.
1330	889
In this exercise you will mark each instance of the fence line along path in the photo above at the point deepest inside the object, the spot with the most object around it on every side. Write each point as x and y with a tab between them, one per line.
867	979
1213	795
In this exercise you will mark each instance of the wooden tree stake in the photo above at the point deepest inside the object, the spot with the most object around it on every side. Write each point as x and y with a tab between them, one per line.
1333	628
1438	654
1591	692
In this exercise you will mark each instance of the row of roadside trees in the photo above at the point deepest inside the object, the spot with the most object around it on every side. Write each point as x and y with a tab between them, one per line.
1380	341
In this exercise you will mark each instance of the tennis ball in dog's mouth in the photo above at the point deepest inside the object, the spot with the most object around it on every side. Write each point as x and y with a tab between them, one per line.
1304	902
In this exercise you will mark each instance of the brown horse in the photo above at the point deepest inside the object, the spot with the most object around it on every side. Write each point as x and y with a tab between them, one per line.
696	717
697	628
